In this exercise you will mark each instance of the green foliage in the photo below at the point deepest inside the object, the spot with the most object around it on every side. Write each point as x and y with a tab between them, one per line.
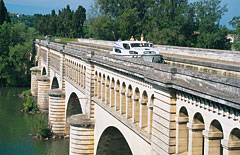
66	23
30	105
4	17
16	54
45	132
27	92
235	22
28	20
169	22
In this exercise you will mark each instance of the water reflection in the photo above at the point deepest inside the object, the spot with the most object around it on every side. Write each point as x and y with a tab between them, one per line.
15	128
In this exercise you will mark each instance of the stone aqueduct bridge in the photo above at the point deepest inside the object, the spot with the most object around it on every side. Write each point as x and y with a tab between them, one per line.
112	105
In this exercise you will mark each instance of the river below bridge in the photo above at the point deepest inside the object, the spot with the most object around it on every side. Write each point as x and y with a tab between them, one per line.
16	126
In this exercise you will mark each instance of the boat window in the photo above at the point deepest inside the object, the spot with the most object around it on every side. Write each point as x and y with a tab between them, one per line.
151	45
126	46
135	45
118	51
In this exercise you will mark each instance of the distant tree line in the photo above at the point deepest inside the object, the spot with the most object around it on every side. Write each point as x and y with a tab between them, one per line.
16	50
166	22
67	23
28	20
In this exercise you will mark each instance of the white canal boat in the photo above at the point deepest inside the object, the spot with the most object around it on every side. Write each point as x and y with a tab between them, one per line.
137	49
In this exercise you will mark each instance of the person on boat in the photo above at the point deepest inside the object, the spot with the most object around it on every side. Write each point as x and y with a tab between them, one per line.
119	39
131	39
142	37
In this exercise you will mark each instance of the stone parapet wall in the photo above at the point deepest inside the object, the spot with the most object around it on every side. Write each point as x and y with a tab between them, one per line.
215	87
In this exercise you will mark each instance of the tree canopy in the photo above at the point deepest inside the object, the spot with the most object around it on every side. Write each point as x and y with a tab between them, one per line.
167	22
67	23
4	17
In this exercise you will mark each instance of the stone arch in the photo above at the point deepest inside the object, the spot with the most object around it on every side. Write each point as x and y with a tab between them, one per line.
144	110
213	138
112	104
96	84
182	131
73	105
123	99
117	99
99	85
196	139
129	102
234	135
112	141
108	90
150	115
54	84
84	77
233	146
136	106
103	88
44	72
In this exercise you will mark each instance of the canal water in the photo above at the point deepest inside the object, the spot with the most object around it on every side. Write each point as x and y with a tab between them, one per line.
16	126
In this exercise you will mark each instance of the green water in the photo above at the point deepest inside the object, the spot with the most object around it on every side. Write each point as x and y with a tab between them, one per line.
15	128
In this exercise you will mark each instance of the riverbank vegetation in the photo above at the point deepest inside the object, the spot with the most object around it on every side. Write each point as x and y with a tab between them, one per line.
17	51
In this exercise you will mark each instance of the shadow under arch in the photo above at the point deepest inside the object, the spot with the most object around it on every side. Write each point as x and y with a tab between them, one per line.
55	84
113	142
73	106
44	72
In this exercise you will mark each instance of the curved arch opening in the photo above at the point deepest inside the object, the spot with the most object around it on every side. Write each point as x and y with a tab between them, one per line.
108	91
182	131
214	144
123	99
112	141
129	102
74	106
112	104
136	106
103	88
144	110
55	84
235	135
117	99
196	134
44	71
99	86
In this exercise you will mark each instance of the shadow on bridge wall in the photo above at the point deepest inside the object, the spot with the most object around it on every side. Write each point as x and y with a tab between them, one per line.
112	141
73	106
54	84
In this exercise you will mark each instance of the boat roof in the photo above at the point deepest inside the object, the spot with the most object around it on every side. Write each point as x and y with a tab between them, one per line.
130	42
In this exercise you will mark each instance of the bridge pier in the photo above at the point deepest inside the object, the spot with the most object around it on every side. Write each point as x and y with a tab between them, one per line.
35	72
56	113
43	88
81	135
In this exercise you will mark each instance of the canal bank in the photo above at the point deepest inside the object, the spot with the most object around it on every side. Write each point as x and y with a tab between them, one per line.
16	126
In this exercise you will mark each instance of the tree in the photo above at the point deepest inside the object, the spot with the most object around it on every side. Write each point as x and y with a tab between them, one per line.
66	24
3	13
78	20
235	22
211	33
131	17
5	31
16	41
169	22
